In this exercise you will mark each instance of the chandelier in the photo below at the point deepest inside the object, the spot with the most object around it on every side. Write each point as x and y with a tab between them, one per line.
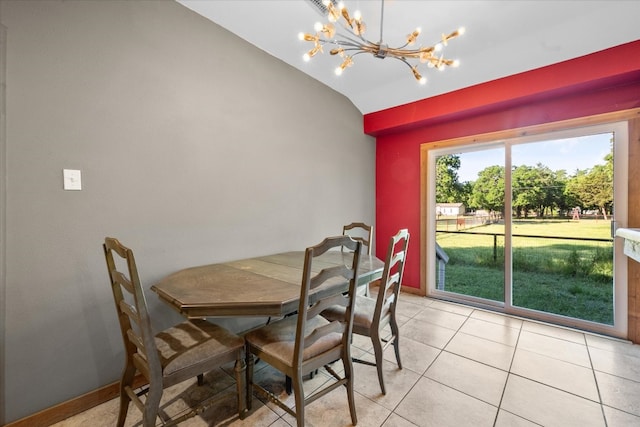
350	42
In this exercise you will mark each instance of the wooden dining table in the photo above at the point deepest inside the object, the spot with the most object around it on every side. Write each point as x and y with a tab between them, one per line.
261	286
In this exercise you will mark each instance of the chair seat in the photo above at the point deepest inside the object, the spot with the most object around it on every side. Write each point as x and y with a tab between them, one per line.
362	314
185	348
277	339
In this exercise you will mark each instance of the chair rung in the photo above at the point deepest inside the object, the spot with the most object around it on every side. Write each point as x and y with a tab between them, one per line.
274	399
324	391
134	397
332	372
143	390
363	362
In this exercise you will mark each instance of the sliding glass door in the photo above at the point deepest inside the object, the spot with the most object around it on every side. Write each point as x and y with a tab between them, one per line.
524	225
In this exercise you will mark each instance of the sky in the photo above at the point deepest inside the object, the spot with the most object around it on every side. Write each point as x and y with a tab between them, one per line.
569	154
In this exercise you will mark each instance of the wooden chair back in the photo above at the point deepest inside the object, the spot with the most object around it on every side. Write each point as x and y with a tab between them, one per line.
391	280
133	315
361	232
176	354
314	298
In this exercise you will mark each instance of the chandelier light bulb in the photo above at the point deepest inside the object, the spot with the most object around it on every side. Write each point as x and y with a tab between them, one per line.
346	38
334	14
411	38
306	57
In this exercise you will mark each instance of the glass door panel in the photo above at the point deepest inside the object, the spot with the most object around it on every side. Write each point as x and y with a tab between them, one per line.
562	249
469	192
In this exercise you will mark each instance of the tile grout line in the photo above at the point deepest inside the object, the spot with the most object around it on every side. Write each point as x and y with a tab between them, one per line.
595	378
506	381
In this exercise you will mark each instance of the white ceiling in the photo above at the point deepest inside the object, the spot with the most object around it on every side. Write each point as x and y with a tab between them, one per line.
502	38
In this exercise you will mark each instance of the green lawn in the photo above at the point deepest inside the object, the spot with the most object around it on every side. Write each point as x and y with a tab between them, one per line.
567	277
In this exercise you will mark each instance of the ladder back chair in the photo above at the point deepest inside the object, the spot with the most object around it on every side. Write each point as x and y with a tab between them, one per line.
185	351
300	344
372	315
364	233
360	231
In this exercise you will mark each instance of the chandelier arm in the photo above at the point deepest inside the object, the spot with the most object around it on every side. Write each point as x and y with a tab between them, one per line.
401	59
372	49
414	69
358	50
349	30
411	53
353	40
353	45
340	43
397	52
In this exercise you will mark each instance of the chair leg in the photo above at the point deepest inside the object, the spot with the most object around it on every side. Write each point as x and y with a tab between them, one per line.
396	340
249	374
377	349
348	373
239	369
200	380
151	405
126	381
299	397
287	384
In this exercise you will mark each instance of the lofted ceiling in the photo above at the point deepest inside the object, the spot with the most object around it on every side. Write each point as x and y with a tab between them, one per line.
503	37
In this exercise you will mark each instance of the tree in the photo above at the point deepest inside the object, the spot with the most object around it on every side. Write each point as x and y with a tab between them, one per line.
562	202
527	192
448	189
488	189
466	189
593	188
536	189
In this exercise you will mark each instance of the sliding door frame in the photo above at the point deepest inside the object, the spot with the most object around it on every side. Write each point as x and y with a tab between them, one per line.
511	137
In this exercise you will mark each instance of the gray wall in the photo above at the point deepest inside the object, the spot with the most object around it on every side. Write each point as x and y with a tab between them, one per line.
194	146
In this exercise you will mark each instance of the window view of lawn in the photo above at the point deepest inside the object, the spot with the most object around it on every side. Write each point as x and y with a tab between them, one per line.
562	266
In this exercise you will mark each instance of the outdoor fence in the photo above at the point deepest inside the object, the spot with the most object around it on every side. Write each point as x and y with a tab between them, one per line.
463	222
567	255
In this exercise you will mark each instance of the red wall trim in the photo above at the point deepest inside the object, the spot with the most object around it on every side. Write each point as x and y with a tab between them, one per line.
603	82
609	67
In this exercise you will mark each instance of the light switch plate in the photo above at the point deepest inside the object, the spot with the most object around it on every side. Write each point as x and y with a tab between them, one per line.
72	179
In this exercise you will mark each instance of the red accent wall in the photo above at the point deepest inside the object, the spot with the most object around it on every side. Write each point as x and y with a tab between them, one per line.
601	82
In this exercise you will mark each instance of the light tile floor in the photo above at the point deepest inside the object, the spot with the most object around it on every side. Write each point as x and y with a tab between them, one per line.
462	367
